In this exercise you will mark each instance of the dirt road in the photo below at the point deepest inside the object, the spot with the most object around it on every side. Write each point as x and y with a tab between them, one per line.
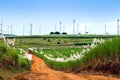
40	71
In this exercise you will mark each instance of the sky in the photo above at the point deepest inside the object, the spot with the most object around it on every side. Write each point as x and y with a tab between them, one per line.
45	14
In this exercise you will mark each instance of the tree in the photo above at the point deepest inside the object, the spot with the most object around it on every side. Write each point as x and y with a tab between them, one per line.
52	33
57	33
64	33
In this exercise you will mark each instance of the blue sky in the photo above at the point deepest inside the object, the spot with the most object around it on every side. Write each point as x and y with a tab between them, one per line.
48	13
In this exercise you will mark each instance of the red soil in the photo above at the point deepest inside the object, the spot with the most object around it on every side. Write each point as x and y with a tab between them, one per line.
40	71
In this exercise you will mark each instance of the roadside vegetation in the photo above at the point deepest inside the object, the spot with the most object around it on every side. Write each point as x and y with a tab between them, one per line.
104	57
11	61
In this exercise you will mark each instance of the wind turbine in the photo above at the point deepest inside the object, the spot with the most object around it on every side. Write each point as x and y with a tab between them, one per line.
118	27
77	28
23	30
11	29
39	29
85	28
60	26
105	29
73	26
30	29
1	25
55	28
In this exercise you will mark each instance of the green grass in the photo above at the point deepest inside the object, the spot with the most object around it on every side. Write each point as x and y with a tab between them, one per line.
5	73
105	57
53	40
65	36
49	42
109	48
61	53
10	60
100	56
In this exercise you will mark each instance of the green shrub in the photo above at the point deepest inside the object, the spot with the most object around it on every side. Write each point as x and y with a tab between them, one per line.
78	44
24	63
49	40
11	59
58	42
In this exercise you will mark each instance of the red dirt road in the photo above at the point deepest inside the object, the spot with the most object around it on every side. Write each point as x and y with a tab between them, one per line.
40	71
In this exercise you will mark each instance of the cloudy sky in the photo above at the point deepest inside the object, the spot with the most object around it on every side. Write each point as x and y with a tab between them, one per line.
45	14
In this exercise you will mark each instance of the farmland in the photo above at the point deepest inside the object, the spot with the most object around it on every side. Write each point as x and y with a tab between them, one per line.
70	53
53	41
76	59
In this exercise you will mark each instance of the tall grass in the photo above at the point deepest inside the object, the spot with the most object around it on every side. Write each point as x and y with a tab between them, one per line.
109	49
10	58
104	57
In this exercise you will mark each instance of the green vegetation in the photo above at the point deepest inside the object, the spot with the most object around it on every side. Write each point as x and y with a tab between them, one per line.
6	73
60	52
65	36
57	51
50	42
11	60
64	53
104	57
53	41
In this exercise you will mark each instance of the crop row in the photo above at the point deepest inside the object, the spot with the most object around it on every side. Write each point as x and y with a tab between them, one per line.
65	58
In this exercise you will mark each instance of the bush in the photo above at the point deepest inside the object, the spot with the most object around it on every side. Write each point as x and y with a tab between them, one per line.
49	40
11	59
24	63
52	33
64	33
57	33
58	42
78	44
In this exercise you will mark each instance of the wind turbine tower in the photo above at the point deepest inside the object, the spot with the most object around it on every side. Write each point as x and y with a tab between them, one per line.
105	29
73	26
8	29
23	30
60	26
1	26
30	29
118	27
11	29
39	30
77	28
55	27
85	29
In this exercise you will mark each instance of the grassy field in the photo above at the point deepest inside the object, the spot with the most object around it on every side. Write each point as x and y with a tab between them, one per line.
63	52
104	57
53	41
49	42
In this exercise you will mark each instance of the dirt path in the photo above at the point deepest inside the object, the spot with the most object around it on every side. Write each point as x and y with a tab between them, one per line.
40	71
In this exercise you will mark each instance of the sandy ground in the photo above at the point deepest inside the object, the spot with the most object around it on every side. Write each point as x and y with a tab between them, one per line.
40	71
